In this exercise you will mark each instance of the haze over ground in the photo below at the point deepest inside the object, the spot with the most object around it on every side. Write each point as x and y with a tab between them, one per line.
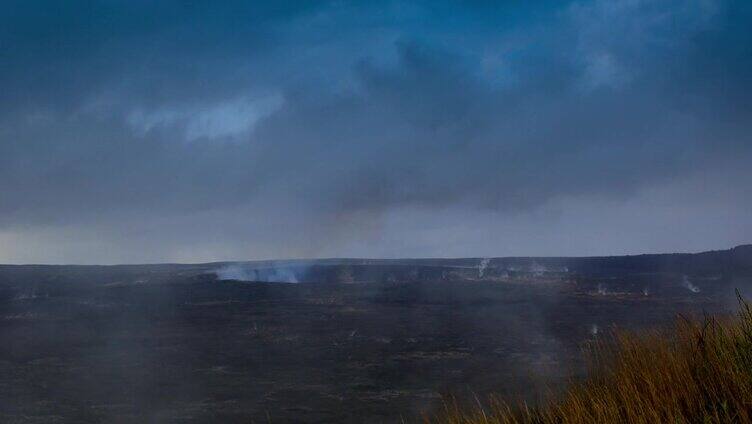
148	132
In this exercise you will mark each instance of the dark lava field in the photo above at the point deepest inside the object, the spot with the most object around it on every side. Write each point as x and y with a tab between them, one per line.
326	341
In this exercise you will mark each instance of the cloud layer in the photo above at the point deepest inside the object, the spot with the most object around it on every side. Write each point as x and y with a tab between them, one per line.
142	132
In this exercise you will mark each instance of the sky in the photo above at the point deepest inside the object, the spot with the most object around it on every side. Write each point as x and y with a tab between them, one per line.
134	131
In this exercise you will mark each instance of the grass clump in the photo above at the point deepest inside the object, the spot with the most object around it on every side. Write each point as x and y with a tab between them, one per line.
698	371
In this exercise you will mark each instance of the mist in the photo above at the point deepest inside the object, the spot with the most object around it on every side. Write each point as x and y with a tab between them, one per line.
269	274
364	212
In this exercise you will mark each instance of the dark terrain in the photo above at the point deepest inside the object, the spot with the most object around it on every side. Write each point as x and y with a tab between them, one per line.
351	341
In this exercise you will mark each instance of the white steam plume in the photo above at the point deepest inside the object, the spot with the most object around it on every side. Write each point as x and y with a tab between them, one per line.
482	266
688	285
269	275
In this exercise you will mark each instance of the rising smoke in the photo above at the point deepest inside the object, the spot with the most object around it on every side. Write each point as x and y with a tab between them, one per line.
482	266
275	274
686	283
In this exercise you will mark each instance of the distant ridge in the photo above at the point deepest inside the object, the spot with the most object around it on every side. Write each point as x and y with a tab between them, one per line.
741	254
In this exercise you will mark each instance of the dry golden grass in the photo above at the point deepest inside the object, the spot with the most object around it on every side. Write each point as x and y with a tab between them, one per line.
696	371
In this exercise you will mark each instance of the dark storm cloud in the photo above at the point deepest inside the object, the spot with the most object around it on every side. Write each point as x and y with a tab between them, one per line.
276	129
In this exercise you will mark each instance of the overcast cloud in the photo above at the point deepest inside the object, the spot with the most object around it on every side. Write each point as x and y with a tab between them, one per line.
139	131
